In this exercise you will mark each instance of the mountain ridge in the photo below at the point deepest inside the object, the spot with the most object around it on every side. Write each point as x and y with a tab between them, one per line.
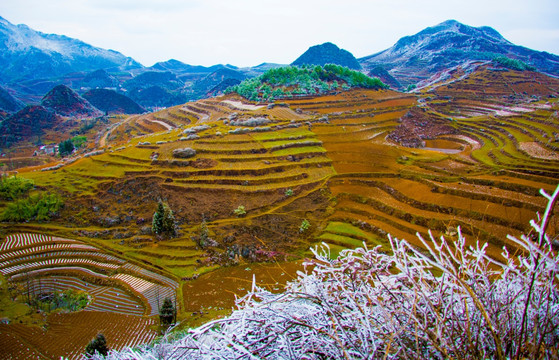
416	57
29	54
34	62
112	102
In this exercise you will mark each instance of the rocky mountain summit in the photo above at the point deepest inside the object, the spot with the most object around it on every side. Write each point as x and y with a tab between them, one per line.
66	102
28	54
418	57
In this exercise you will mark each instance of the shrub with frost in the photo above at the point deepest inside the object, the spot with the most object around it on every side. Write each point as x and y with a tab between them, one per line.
184	153
448	300
251	122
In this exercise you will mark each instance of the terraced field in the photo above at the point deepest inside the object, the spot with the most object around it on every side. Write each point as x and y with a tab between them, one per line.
44	264
31	256
486	144
478	178
471	177
68	334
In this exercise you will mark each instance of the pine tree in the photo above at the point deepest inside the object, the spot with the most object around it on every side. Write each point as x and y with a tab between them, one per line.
157	222
66	147
163	222
99	344
167	312
169	222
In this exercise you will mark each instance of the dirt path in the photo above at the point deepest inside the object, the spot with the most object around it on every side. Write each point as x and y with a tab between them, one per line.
103	139
239	105
164	124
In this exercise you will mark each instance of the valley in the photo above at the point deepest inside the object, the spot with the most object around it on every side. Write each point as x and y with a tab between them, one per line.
325	160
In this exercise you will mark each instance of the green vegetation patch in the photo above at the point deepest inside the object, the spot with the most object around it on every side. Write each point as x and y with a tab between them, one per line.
341	240
66	147
37	207
9	307
346	229
291	81
512	64
299	150
68	300
285	134
12	187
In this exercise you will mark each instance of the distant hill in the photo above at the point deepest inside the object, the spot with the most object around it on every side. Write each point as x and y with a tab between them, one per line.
178	67
490	82
222	87
153	89
9	103
417	57
260	69
327	53
112	102
164	79
385	77
29	54
98	79
211	83
156	96
29	122
66	102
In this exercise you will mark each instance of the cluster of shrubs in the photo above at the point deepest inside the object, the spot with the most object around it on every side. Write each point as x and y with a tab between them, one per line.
24	207
512	64
68	146
290	81
14	187
38	207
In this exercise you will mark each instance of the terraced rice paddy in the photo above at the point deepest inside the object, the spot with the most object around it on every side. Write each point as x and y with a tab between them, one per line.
44	264
378	187
68	334
103	298
385	189
338	143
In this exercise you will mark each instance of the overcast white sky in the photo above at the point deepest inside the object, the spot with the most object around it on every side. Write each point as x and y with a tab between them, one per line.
249	32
